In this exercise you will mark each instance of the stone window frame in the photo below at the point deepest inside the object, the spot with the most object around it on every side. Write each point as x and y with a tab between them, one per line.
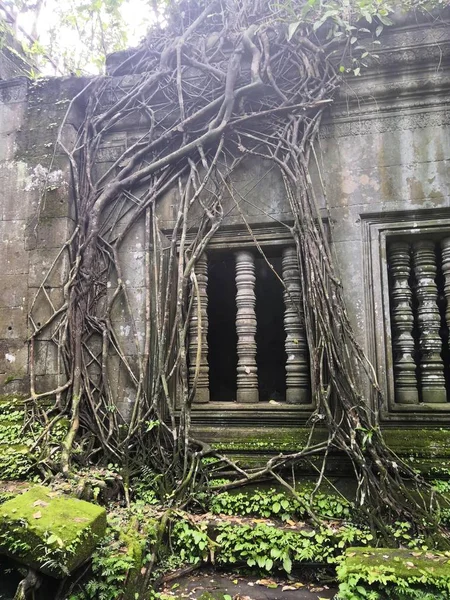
377	228
266	414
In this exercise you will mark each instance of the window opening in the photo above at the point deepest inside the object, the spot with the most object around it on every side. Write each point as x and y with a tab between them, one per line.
222	338
270	334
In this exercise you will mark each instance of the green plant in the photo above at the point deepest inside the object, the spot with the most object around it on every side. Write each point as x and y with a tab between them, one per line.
262	546
272	503
191	543
20	450
119	558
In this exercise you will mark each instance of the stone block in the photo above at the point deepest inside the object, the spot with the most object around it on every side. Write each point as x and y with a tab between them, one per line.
48	179
13	323
381	571
52	533
48	232
13	357
11	117
7	146
42	266
13	257
46	358
13	291
16	198
46	383
15	383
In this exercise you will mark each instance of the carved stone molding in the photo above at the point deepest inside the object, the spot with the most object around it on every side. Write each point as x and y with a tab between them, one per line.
13	90
247	373
429	322
383	124
399	259
195	350
297	371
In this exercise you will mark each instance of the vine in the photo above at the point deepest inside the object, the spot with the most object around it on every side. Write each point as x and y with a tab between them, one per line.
225	81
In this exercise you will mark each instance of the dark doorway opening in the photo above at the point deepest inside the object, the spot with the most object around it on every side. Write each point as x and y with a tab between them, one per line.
270	335
222	338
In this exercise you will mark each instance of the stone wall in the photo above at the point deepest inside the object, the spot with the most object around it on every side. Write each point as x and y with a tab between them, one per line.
383	158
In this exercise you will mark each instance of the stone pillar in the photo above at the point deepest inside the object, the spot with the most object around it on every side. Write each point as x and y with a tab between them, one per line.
247	373
297	370
399	258
445	246
202	389
429	322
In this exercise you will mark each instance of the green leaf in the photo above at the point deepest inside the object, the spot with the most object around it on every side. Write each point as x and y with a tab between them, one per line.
276	507
385	20
287	564
292	29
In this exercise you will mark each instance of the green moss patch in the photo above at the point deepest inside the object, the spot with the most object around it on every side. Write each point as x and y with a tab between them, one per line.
382	573
49	532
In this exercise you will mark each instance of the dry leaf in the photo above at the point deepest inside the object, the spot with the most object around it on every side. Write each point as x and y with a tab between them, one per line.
37	515
409	564
269	583
285	588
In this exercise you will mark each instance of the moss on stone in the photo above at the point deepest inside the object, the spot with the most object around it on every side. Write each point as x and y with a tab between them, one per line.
406	564
422	443
51	533
401	572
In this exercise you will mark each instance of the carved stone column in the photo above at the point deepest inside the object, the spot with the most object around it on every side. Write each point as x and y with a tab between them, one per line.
202	389
399	257
445	246
247	373
297	370
429	321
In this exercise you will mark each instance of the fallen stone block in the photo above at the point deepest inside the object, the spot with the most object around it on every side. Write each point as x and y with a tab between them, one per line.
50	532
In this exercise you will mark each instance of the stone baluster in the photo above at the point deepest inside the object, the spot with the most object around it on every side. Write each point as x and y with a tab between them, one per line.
429	322
399	258
202	389
445	246
247	373
297	370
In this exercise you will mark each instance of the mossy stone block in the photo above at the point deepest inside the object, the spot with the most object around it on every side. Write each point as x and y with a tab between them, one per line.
398	570
50	532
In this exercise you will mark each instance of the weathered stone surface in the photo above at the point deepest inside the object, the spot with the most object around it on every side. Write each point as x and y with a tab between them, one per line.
49	532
